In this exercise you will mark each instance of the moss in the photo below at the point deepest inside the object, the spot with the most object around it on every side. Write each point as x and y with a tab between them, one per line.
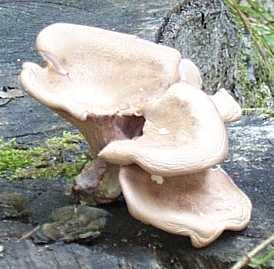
58	156
255	61
255	87
265	260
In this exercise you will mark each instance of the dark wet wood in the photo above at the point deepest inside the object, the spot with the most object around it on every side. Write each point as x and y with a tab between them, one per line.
129	243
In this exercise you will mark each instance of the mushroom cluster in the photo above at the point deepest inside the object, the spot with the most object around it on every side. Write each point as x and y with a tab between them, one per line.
152	131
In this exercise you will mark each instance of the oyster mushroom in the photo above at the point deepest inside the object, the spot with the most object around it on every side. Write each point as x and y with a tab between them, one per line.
183	134
99	80
201	205
139	103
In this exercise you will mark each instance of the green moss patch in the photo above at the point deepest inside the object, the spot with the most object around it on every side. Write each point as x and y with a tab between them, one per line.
58	156
255	61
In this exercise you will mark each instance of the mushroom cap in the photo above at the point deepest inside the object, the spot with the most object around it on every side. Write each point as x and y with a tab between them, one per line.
228	108
95	71
200	205
190	73
183	133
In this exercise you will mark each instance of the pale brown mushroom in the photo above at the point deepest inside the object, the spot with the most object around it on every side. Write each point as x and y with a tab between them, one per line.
114	86
200	205
99	81
92	71
190	73
228	108
183	134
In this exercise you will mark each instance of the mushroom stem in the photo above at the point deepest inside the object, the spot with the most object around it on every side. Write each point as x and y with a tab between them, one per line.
90	176
98	182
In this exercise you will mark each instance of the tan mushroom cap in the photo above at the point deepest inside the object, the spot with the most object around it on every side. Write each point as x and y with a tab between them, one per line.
183	133
95	71
190	73
200	205
228	108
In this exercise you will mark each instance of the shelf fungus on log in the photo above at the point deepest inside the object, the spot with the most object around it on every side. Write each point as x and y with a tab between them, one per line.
142	111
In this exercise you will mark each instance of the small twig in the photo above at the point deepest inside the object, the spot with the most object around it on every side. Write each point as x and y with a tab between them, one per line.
30	233
259	109
247	257
255	109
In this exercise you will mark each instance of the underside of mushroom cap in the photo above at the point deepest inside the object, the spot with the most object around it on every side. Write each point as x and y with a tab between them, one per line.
183	133
200	205
95	71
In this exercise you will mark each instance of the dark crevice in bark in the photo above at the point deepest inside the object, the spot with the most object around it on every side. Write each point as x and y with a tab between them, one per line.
177	9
